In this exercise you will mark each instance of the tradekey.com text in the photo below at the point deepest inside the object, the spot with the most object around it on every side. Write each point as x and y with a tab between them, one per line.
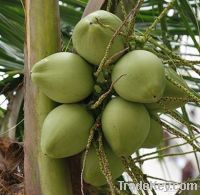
165	187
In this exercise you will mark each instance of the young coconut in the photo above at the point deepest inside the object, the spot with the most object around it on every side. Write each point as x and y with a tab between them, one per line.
143	77
176	96
91	36
65	131
155	135
64	77
125	125
92	173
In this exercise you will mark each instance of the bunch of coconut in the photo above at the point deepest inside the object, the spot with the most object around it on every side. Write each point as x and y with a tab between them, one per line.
129	119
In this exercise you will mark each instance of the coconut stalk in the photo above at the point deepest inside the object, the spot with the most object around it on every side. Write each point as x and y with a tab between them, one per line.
43	176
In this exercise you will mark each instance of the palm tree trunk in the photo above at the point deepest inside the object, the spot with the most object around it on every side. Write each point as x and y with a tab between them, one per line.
43	176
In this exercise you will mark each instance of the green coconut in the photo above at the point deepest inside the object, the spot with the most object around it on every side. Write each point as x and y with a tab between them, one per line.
173	96
155	135
90	38
65	131
92	173
64	77
143	77
125	125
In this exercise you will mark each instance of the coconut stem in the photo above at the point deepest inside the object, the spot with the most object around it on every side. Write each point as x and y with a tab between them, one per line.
105	95
162	101
179	134
136	159
184	122
108	26
104	164
138	174
116	55
131	173
117	32
165	155
121	2
89	142
165	180
173	58
180	62
157	20
191	95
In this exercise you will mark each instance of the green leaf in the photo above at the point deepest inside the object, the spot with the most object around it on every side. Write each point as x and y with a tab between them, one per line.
188	27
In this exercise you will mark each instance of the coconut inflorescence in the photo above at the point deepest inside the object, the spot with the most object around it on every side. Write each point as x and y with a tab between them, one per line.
128	113
92	173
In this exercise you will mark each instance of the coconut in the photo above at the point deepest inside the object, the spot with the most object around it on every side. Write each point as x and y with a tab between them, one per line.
125	125
176	96
64	77
92	173
65	131
155	135
142	77
91	36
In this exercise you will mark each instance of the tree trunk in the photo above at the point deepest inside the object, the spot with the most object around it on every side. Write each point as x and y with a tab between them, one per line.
43	176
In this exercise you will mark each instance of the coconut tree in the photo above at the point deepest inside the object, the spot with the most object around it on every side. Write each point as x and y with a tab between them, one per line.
48	29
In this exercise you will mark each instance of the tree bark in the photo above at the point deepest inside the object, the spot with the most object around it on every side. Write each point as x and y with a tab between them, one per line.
43	176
